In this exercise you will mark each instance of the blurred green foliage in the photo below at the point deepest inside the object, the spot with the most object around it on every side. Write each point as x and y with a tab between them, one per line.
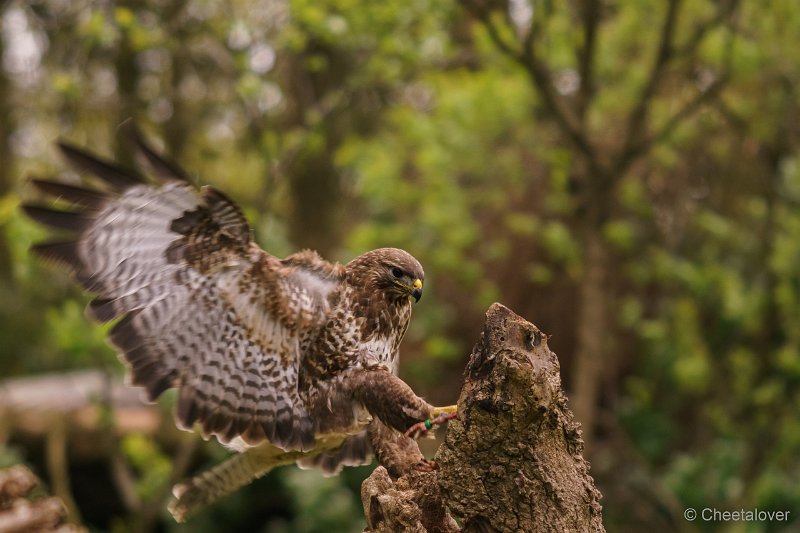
347	125
151	465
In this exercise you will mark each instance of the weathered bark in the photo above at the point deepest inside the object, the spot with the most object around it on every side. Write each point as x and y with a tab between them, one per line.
411	503
511	461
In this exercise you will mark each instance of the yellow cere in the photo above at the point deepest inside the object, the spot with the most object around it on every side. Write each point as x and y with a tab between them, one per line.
417	283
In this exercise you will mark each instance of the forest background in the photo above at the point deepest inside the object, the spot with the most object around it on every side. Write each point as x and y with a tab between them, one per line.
624	174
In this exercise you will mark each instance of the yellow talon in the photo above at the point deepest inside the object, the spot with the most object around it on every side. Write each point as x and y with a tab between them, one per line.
437	411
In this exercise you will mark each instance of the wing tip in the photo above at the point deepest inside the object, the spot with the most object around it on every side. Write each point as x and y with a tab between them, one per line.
148	373
75	221
186	409
157	162
64	253
79	196
103	310
124	335
117	177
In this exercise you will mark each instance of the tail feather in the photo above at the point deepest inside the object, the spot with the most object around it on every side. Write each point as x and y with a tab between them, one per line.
239	470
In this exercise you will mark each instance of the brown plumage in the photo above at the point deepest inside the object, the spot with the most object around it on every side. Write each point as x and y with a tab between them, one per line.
296	354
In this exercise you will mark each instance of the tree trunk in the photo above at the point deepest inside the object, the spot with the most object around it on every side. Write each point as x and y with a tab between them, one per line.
512	459
590	351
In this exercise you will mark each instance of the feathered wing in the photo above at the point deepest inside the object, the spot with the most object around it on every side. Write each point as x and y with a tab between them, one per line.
201	307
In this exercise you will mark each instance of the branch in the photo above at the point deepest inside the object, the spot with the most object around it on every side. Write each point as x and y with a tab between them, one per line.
637	143
638	116
590	17
688	109
58	467
724	12
542	80
512	459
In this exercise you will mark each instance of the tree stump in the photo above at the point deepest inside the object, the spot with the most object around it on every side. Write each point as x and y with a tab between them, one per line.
512	459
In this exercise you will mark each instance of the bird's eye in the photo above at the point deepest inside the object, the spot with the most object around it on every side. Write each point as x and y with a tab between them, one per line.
396	272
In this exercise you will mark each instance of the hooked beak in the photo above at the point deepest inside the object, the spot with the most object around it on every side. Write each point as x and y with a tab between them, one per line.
416	292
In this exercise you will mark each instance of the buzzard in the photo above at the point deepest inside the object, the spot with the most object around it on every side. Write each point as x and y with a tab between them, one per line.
284	360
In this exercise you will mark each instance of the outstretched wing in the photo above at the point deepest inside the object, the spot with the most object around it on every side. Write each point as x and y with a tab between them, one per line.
201	307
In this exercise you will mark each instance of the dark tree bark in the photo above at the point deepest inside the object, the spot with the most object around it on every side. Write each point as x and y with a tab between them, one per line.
512	459
411	503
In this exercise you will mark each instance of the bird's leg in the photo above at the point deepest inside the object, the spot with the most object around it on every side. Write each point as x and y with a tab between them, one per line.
394	451
392	401
387	397
396	407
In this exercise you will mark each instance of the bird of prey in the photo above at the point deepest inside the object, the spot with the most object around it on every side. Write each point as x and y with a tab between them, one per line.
284	360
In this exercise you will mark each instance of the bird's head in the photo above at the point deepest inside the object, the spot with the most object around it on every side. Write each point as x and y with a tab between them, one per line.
390	270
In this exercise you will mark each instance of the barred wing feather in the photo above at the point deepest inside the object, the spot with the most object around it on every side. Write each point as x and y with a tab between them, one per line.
200	306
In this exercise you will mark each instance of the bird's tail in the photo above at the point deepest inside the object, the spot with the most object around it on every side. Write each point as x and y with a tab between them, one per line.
237	471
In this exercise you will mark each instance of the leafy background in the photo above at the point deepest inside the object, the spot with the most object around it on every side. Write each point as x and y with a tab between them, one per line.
624	174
